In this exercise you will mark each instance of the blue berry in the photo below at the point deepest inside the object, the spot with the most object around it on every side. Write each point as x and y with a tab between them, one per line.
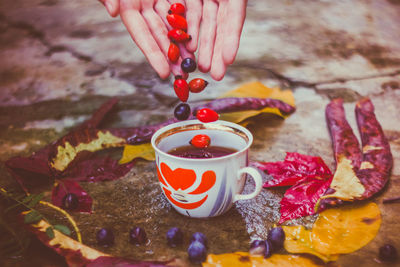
188	65
276	236
137	236
197	252
261	247
174	237
105	237
387	253
182	111
198	236
70	201
268	249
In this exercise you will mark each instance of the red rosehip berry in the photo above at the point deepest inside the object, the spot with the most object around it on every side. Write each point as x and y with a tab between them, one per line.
197	85
181	88
179	35
177	8
207	115
200	141
173	52
177	22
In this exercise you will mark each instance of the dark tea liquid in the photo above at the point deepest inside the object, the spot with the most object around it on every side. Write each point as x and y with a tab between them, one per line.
192	152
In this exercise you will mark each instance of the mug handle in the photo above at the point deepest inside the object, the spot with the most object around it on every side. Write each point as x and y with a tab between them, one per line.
257	179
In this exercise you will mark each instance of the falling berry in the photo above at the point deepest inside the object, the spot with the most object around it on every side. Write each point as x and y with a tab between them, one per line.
207	115
137	236
174	237
197	252
173	52
70	201
200	141
105	237
181	88
188	65
177	22
197	85
177	8
182	111
179	36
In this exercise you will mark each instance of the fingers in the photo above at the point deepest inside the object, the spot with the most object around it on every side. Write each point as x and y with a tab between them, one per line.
193	16
141	34
237	10
207	35
112	7
218	67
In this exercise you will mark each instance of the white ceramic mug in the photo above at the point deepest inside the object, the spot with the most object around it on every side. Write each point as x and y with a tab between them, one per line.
205	187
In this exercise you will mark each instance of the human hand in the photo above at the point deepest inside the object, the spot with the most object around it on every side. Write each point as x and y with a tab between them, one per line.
221	26
146	22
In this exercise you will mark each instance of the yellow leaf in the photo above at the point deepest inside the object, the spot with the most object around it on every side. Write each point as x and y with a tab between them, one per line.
298	240
244	259
131	152
345	229
258	90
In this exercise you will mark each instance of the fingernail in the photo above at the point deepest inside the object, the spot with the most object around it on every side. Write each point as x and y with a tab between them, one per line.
109	7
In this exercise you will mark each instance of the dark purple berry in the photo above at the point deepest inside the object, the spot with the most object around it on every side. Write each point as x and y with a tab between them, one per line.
105	237
182	111
276	236
137	236
70	201
174	237
198	236
188	65
197	252
257	247
387	253
268	249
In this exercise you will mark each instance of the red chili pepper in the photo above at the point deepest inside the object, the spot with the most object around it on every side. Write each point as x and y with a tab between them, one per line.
177	22
207	115
197	85
173	52
177	8
179	35
200	141
181	88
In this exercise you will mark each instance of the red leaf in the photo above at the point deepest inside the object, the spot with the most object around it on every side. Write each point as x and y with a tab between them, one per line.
98	169
295	167
300	199
67	186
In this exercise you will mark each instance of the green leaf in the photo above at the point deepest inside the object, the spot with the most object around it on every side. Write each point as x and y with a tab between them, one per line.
35	200
63	229
27	198
32	217
50	232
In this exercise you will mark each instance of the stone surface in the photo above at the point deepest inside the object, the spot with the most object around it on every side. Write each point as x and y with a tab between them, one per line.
61	59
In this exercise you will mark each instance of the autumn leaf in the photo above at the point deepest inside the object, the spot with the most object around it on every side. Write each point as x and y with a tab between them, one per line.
131	152
298	240
258	90
346	229
244	259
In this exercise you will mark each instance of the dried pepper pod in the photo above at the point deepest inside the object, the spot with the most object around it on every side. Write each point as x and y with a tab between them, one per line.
177	8
179	35
173	52
181	88
355	179
197	85
232	104
177	22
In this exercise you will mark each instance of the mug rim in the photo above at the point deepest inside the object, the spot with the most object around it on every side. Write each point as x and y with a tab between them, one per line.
197	122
